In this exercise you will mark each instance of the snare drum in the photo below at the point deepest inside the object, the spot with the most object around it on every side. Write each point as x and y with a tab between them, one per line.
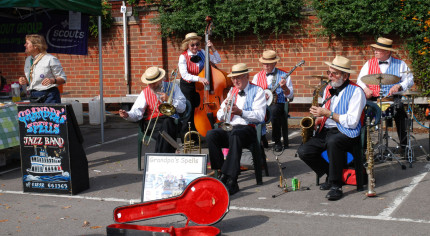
386	110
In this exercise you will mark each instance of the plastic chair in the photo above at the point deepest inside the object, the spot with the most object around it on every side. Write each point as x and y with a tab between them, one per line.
374	112
140	136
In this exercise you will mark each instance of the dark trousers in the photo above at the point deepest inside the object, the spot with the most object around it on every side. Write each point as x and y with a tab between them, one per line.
52	95
400	117
189	91
240	137
398	112
278	123
337	145
166	124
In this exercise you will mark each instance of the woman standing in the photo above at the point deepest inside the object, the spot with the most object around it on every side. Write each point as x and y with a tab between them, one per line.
191	63
43	71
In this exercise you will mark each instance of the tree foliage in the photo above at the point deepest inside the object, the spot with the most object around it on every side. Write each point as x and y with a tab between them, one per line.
409	19
231	17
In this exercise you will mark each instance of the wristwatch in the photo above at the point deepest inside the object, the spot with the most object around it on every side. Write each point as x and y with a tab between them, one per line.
331	115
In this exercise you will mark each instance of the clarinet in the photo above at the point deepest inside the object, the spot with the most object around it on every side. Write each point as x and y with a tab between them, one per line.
369	170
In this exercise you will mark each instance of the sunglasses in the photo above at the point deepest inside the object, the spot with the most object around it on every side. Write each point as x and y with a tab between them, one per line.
196	45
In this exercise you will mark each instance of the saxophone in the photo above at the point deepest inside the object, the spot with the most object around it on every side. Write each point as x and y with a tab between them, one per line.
371	180
307	123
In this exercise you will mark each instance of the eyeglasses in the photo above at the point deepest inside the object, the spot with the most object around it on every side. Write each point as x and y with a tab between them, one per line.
333	73
197	44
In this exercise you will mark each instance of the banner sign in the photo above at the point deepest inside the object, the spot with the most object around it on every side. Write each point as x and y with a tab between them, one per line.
44	151
66	33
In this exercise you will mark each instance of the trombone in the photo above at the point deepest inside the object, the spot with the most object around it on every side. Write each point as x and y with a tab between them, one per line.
167	108
164	108
227	116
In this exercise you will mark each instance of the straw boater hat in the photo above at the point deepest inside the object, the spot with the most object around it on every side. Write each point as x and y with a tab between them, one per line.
191	36
341	63
384	43
152	75
239	69
269	56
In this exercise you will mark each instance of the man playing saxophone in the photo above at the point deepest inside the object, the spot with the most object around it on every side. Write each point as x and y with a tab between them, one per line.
248	108
147	103
339	119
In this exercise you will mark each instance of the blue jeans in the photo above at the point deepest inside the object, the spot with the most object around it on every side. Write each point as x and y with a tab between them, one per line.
52	95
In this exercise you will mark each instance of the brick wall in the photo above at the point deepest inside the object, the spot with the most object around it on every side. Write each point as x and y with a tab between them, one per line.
147	48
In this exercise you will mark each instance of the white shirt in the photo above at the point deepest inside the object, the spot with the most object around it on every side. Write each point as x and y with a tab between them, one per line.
406	79
269	83
351	118
48	67
138	110
215	58
256	115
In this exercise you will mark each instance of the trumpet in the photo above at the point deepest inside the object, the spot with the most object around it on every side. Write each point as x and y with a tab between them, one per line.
167	108
164	108
189	143
227	116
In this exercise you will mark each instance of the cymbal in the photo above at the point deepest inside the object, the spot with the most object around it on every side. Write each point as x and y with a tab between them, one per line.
409	93
319	77
376	79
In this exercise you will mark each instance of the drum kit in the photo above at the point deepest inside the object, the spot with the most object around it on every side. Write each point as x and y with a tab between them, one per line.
386	104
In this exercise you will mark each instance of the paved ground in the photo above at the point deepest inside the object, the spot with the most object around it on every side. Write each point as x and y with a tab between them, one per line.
401	207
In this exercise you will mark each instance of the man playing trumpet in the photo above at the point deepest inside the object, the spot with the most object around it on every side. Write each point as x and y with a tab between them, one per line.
146	106
248	108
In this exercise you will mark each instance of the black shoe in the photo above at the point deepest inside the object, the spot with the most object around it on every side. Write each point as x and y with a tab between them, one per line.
223	178
325	186
334	194
278	147
232	185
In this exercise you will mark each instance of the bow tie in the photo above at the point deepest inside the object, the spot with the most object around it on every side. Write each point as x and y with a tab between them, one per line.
241	93
195	58
383	62
272	73
334	92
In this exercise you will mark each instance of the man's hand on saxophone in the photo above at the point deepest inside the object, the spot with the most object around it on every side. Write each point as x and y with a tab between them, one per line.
321	112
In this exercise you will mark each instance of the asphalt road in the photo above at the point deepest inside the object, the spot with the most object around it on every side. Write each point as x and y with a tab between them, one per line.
400	208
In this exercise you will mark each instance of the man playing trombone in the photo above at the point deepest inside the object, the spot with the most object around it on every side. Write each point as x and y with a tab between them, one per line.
147	107
238	131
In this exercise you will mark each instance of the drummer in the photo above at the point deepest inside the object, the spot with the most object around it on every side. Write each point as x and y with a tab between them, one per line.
384	63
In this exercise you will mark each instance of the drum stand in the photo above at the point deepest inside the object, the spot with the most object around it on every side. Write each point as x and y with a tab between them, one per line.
384	152
409	151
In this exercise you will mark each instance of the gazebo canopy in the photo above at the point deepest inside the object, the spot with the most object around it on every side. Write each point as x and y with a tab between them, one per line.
90	7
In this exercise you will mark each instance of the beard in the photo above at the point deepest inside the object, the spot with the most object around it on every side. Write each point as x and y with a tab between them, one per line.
338	83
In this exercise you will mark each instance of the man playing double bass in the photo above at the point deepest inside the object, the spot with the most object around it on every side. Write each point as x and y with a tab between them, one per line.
191	63
249	108
146	106
268	78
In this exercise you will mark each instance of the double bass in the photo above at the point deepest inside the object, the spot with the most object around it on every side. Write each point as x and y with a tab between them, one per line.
213	94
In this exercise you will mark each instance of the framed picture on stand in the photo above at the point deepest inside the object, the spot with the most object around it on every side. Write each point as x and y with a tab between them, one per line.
166	175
